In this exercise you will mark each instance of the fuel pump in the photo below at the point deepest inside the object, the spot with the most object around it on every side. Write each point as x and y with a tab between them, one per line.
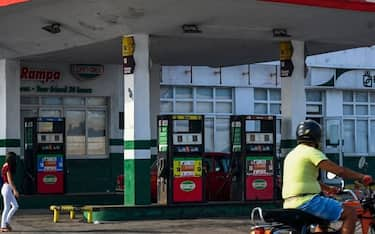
180	149
44	154
254	141
237	158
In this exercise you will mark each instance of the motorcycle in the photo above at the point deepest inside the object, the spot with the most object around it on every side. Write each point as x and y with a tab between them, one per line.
295	221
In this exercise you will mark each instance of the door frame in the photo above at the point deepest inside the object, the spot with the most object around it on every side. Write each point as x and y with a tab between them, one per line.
334	148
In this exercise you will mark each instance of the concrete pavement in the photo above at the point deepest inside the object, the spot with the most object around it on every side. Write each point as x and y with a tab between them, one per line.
40	221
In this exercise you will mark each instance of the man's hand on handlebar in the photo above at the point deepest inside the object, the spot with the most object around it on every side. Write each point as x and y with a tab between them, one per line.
367	180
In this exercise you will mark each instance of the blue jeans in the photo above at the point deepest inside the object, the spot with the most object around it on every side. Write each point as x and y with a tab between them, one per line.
323	207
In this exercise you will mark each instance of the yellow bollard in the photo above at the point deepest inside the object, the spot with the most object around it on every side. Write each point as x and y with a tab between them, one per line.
89	216
56	215
72	214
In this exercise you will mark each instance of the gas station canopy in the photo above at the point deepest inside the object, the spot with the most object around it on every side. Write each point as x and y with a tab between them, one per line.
193	32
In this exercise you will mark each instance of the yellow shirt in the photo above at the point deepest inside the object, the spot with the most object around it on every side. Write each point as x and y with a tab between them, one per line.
300	175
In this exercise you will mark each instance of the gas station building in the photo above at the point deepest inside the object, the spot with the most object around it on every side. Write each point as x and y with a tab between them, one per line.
110	90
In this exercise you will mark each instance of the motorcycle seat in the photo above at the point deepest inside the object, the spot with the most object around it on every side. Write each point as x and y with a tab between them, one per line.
292	217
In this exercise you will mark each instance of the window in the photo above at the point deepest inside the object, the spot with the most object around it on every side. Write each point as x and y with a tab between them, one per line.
213	102
359	122
267	101
75	133
314	103
85	122
222	135
358	103
209	134
96	132
51	100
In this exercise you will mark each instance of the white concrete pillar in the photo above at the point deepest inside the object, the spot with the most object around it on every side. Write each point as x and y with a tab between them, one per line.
154	104
137	131
9	107
293	98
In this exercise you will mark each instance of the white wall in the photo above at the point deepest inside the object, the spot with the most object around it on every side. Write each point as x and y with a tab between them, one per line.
110	84
353	58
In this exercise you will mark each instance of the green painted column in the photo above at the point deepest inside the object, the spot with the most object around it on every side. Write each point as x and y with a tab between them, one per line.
9	107
137	130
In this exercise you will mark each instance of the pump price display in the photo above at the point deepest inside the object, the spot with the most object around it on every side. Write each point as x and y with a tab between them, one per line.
187	167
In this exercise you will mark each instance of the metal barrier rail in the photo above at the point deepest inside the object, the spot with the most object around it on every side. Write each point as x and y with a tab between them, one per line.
72	211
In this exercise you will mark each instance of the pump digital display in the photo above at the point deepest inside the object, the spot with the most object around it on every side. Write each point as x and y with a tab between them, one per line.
259	138
181	125
186	125
187	139
252	125
45	127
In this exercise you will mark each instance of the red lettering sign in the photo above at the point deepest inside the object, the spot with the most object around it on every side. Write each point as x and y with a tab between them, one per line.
39	75
354	5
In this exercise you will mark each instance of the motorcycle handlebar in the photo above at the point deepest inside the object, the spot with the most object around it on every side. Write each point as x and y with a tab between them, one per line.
366	185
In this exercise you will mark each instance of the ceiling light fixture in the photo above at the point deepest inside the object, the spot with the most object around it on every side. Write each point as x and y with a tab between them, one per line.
191	28
52	28
280	32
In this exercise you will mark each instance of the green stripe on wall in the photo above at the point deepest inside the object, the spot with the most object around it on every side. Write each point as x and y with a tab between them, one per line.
287	144
137	144
137	182
116	155
116	141
10	142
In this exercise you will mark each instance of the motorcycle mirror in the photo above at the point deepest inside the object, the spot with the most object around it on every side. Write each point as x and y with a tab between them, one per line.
362	163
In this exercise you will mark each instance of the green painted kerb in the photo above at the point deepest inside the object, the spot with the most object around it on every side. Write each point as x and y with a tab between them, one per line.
287	144
160	212
10	142
137	182
137	144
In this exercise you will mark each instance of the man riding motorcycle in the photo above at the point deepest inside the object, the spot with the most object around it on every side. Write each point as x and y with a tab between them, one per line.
301	187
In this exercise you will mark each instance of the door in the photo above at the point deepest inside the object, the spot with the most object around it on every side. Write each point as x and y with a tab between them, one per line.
333	139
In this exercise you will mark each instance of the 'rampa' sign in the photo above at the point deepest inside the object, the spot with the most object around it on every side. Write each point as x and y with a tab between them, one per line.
86	71
34	74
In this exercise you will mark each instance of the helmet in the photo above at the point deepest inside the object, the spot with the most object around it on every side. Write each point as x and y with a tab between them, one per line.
309	131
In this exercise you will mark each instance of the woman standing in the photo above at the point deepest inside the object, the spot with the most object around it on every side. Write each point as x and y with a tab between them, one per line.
8	191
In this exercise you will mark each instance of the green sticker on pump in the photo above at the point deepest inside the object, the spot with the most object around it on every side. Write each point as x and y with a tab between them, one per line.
187	186
50	179
259	184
